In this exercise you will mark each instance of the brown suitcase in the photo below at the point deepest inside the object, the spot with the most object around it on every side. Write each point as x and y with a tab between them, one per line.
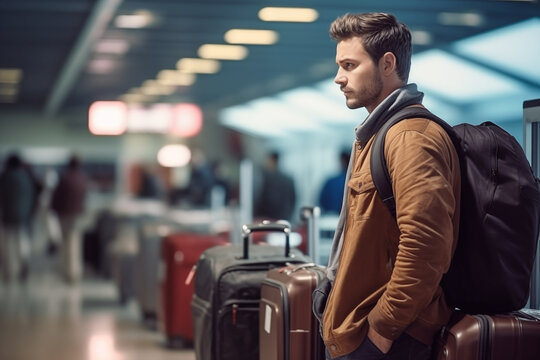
514	336
288	330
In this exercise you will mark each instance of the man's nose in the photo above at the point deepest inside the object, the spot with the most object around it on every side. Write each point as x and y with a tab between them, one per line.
340	79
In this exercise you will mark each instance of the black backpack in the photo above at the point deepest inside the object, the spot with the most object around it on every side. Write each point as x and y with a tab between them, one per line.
500	214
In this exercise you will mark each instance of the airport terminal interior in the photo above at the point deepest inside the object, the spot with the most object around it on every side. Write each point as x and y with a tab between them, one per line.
173	111
45	318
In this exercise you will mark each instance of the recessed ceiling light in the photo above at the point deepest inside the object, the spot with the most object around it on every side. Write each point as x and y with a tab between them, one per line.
420	37
101	66
175	78
223	52
248	36
288	14
461	19
112	46
196	65
137	20
8	89
153	87
10	75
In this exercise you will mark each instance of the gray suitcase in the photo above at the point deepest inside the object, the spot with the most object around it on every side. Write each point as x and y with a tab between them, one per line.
151	233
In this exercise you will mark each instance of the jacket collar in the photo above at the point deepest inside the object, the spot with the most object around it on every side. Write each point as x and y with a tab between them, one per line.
398	99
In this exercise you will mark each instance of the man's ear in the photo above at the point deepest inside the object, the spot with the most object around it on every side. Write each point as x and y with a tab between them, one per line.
388	63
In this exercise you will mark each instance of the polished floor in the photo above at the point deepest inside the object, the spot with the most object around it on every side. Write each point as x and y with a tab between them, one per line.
43	318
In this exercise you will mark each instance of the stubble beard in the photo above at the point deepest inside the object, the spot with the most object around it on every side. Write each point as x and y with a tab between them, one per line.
367	95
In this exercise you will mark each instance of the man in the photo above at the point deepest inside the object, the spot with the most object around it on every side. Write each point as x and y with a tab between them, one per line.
330	198
278	195
385	300
16	204
68	201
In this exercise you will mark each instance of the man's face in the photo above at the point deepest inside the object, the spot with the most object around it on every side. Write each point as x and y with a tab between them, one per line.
358	76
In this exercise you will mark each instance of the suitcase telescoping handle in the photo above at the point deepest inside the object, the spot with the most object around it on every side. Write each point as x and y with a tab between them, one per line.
266	226
311	215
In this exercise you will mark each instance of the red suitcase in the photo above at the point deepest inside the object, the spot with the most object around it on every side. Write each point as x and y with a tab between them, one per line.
288	330
179	253
515	336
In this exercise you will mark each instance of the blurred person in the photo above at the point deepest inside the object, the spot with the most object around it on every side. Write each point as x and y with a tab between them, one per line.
382	298
201	181
151	185
68	201
38	185
277	196
221	181
331	196
17	196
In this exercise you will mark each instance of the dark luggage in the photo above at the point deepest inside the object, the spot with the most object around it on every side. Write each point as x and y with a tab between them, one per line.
225	305
179	254
288	329
515	336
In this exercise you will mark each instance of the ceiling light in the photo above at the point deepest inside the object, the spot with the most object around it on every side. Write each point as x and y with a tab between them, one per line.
420	37
175	78
8	90
195	65
153	87
10	75
223	52
112	46
136	98
289	14
247	36
137	20
461	19
101	66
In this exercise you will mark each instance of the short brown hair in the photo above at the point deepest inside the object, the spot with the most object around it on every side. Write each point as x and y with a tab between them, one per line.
380	33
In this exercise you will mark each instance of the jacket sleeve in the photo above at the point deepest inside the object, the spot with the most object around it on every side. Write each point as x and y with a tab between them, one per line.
422	165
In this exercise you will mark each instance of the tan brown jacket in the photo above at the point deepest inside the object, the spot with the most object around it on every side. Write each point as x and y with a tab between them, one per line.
389	272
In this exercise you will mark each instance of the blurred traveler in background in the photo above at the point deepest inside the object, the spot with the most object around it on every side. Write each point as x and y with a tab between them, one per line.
16	205
152	186
331	195
277	195
220	181
68	202
201	180
198	191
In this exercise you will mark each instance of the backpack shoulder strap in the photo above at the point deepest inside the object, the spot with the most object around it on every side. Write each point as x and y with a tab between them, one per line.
379	171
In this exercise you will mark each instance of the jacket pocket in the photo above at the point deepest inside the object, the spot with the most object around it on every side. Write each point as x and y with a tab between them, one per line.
362	193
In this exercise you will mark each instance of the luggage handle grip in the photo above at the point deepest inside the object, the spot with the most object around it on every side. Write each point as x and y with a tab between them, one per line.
266	225
298	267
